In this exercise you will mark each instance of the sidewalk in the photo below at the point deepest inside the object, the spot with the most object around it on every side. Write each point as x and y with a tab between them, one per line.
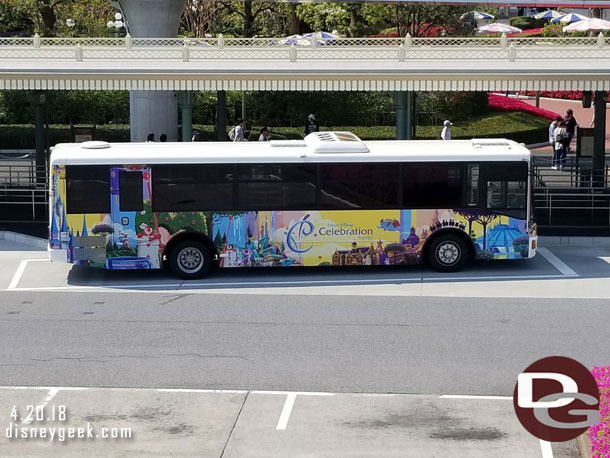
583	115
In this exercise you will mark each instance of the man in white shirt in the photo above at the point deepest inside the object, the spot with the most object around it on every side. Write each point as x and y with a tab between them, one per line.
238	131
265	135
446	132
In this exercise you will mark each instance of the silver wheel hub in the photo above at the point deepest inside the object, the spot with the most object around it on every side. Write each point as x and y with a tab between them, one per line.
448	253
190	260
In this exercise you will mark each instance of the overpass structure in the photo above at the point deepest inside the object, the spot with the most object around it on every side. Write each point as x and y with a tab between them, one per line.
402	66
357	64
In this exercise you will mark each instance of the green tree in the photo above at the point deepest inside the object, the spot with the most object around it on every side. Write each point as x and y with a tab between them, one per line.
15	17
48	17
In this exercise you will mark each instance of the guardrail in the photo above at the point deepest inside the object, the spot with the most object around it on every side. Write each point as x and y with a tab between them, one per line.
401	49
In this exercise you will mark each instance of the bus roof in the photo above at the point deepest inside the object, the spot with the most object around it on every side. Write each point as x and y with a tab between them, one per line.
317	147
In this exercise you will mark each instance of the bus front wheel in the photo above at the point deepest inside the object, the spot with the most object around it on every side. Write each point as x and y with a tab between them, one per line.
190	259
447	253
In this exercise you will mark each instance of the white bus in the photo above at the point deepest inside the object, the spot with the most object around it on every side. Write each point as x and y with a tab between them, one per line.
330	199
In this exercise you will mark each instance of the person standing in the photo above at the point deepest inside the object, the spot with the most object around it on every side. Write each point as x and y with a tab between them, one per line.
552	128
237	133
265	136
446	132
311	125
561	137
571	124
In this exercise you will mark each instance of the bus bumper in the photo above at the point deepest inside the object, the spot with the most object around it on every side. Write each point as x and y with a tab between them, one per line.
56	255
533	246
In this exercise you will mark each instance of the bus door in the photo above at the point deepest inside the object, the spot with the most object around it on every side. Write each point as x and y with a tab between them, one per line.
134	243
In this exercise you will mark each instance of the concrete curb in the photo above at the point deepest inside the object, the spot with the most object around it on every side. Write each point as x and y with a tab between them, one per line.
573	240
24	239
584	445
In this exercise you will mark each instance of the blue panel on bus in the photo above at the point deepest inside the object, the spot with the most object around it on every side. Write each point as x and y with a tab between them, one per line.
128	262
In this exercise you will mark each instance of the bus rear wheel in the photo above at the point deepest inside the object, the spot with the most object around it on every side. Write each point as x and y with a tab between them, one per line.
447	253
190	259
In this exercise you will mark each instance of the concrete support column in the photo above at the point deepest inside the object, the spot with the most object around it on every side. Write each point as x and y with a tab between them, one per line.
185	103
153	111
599	138
404	115
221	116
39	118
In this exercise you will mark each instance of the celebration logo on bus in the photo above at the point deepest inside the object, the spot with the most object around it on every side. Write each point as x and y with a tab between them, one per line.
297	232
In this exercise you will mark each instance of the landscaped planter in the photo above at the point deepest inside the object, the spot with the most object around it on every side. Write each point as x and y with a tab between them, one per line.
502	103
600	434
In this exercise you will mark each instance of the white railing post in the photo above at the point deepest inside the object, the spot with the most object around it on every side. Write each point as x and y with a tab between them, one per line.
600	40
37	41
408	40
503	41
314	41
185	52
128	42
512	52
221	41
79	53
293	53
401	53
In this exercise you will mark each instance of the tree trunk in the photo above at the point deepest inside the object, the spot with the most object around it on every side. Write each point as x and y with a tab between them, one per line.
248	19
293	20
48	18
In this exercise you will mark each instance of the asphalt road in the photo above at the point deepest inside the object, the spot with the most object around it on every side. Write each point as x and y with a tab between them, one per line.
427	345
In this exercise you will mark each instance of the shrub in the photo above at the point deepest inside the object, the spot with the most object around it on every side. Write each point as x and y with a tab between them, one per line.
457	106
525	22
553	30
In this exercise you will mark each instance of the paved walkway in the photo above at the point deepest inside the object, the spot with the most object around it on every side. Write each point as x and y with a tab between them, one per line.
584	116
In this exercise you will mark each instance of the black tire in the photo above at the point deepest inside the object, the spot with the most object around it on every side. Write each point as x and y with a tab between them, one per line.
447	253
190	259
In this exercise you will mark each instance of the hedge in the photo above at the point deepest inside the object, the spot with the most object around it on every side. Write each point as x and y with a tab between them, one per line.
517	126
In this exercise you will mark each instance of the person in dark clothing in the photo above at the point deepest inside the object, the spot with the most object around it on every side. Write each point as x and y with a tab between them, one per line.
311	125
163	138
571	124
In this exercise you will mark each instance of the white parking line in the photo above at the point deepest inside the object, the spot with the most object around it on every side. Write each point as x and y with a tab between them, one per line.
546	449
557	263
186	390
285	415
19	272
40	407
605	258
189	286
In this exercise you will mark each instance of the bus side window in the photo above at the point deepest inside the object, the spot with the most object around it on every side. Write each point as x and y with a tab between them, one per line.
131	196
87	189
496	195
472	185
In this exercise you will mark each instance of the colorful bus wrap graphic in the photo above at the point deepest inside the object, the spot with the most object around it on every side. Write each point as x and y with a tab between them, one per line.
136	239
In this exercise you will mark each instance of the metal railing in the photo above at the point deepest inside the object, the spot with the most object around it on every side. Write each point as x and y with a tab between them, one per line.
24	190
576	174
401	49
